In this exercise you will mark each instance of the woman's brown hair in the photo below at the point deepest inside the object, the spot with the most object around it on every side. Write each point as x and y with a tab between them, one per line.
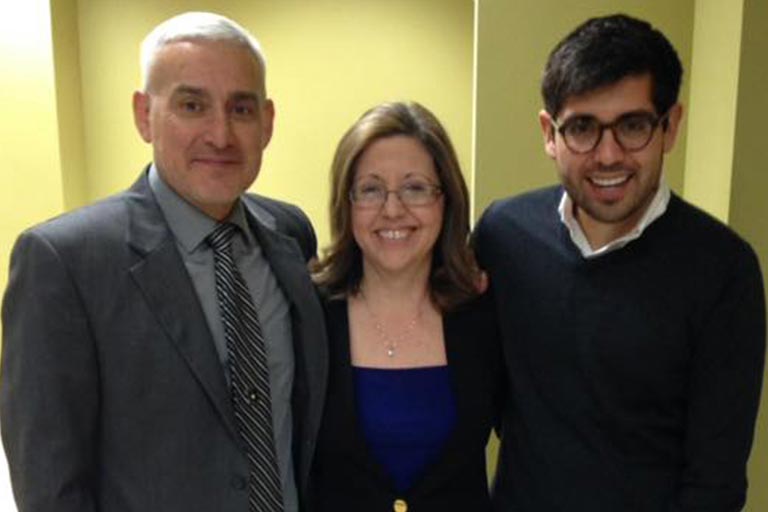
454	275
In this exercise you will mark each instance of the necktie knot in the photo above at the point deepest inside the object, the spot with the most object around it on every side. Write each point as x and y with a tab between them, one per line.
220	238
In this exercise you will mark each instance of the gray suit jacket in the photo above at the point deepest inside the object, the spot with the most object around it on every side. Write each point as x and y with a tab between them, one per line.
113	397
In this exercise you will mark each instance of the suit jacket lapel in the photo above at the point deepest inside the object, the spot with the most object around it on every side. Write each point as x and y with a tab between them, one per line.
170	294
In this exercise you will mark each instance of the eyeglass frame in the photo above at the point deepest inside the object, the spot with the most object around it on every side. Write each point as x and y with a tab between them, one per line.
656	121
435	192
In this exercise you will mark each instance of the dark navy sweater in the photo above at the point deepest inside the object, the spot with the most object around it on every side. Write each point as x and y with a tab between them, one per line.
635	376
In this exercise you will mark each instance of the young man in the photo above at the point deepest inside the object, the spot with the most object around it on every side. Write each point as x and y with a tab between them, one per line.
634	323
164	349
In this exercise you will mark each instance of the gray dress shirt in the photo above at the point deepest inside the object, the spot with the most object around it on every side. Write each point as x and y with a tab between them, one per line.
190	227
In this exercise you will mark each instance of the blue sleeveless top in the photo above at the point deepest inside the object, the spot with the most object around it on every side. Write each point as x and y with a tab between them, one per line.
406	416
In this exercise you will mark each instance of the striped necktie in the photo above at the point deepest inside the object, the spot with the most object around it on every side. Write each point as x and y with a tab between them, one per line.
248	374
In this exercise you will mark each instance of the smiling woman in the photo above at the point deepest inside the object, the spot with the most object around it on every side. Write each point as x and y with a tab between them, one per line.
413	344
396	234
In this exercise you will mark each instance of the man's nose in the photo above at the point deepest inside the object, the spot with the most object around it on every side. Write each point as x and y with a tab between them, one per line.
608	151
219	133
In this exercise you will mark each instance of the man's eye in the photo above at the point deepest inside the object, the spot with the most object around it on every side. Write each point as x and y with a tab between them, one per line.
191	106
244	110
635	124
580	126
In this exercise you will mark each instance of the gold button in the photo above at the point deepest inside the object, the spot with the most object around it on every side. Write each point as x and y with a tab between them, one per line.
400	506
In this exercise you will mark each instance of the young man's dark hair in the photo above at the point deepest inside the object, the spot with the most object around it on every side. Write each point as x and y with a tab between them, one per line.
602	51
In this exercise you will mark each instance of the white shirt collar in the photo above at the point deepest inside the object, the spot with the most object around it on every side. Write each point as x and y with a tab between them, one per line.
655	210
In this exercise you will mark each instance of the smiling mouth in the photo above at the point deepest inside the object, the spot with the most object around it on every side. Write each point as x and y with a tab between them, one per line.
609	182
393	234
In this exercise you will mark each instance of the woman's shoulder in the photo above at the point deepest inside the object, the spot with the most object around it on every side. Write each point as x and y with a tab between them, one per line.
333	304
479	307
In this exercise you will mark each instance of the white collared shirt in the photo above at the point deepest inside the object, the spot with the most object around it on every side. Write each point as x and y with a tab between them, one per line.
655	210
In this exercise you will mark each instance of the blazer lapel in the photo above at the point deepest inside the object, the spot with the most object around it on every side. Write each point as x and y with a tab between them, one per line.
170	294
463	381
348	396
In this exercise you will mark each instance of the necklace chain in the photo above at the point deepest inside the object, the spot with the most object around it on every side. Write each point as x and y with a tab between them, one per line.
391	341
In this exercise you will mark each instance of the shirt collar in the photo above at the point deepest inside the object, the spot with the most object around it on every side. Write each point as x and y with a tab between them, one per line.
189	225
655	210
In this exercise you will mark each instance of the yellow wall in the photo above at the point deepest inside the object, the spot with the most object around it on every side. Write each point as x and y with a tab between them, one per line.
712	105
30	180
513	42
66	54
328	62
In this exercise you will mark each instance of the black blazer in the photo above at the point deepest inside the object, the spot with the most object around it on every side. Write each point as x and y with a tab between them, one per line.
347	478
113	397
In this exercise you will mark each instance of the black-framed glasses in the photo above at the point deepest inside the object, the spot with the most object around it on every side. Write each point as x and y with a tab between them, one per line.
632	131
374	194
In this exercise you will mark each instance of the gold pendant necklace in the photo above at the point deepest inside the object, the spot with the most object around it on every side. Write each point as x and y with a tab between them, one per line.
391	341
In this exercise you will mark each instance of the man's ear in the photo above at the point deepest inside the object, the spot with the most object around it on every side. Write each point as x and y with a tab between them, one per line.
141	102
268	114
674	118
548	131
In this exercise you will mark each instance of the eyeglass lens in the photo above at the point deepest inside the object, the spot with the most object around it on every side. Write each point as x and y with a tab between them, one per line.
631	131
410	194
